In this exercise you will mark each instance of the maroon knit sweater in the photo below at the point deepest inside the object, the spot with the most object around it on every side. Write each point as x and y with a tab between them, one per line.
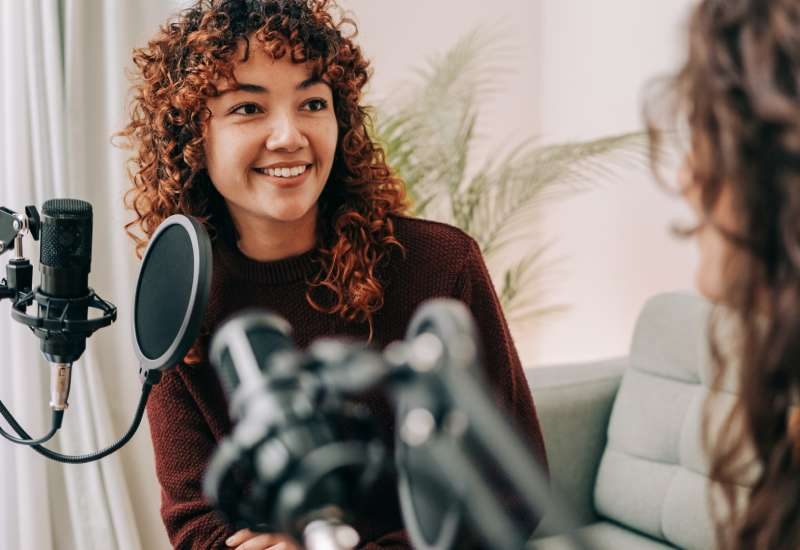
188	412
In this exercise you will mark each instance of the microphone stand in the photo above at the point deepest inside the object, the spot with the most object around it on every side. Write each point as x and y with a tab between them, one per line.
18	283
19	271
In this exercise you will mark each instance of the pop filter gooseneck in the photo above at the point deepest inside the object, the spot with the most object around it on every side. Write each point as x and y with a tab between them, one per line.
171	297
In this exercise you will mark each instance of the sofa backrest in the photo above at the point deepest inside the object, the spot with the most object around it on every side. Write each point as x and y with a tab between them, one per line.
653	476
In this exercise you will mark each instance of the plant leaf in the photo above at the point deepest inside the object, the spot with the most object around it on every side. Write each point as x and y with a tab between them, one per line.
428	136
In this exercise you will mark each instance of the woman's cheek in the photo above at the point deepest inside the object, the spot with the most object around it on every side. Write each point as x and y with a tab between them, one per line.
714	275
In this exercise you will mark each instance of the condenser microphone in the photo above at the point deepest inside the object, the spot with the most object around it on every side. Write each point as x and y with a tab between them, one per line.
64	263
63	297
65	255
169	304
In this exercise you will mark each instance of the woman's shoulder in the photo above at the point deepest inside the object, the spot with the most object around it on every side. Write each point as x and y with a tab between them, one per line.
431	238
433	254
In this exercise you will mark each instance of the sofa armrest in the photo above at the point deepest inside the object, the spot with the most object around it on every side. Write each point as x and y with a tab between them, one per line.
574	403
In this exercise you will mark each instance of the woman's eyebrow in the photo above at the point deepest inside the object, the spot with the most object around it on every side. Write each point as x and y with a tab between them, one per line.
245	87
259	89
309	82
241	87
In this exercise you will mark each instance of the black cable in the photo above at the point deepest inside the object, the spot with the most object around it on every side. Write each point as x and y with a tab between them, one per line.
58	416
151	377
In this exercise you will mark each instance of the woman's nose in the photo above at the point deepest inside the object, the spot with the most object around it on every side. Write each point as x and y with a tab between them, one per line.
285	135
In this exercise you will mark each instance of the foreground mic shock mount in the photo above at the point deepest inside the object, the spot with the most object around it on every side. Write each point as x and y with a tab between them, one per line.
55	323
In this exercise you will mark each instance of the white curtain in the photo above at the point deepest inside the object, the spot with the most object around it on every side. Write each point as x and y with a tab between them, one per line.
63	93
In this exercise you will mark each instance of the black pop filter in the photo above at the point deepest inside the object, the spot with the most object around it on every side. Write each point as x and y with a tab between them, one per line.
172	292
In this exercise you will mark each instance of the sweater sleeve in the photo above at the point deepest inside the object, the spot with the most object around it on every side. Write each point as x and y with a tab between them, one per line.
396	540
183	444
500	359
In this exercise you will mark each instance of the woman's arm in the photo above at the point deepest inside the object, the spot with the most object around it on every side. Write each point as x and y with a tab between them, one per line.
500	359
396	540
183	444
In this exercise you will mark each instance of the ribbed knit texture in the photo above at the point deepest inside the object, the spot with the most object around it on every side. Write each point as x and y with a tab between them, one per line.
188	411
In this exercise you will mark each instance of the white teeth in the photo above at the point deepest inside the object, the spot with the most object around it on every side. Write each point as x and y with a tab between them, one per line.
284	172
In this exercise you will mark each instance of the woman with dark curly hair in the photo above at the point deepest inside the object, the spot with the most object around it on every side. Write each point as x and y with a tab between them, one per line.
740	92
247	116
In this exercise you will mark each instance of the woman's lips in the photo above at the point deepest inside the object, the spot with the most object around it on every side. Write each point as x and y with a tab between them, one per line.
285	182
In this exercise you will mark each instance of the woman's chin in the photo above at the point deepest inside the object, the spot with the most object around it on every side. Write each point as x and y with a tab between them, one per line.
287	214
290	215
709	287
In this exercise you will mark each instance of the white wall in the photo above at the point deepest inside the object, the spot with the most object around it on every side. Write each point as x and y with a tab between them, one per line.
580	72
614	241
399	37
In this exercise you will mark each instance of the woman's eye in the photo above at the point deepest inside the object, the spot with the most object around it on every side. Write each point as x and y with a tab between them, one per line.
315	105
247	109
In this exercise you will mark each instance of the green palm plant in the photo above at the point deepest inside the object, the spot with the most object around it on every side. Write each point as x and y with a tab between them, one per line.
428	137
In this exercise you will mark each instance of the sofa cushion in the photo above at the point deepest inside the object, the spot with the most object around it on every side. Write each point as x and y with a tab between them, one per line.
603	535
653	476
574	403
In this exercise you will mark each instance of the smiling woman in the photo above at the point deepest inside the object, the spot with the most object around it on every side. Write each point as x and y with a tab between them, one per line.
247	116
269	149
193	64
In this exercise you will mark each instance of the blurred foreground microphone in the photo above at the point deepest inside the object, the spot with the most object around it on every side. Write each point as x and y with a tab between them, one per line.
299	460
238	353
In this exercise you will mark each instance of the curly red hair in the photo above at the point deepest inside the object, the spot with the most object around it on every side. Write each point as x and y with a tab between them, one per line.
177	72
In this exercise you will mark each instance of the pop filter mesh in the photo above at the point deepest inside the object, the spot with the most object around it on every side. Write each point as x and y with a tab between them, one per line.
164	291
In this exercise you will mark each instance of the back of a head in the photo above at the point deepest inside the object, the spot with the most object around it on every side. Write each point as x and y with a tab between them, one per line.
739	95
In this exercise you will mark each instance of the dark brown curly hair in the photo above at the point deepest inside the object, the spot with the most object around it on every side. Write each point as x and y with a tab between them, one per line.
176	74
739	91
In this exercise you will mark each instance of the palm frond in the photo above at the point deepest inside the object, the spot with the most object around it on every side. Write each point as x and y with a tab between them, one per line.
508	193
428	137
428	134
523	291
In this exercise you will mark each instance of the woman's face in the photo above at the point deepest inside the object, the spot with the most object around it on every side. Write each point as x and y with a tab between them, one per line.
270	144
717	254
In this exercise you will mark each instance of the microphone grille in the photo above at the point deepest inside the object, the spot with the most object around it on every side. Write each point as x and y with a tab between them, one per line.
58	208
66	234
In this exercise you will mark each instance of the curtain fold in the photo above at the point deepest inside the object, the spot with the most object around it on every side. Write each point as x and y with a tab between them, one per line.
63	93
32	169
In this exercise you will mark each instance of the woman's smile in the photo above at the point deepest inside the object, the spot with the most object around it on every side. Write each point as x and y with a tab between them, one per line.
285	175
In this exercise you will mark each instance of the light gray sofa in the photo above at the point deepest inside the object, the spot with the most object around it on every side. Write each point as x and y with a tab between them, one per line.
623	435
